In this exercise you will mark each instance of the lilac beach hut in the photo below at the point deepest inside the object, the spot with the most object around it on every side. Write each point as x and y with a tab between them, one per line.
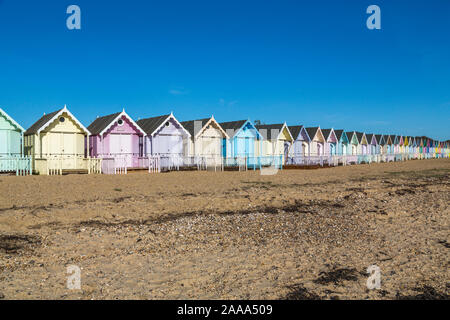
165	137
116	137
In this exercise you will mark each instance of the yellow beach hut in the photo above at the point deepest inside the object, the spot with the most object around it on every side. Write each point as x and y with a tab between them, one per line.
277	140
57	145
205	141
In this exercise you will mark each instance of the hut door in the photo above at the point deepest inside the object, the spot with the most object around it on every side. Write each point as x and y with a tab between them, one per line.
68	144
286	150
247	147
126	150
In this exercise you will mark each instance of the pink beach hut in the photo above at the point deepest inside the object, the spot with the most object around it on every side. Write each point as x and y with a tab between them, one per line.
116	139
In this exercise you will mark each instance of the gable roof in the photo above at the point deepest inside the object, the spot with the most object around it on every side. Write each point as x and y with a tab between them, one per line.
350	135
312	131
270	129
394	138
102	124
236	126
47	119
151	125
99	124
296	130
360	136
190	126
340	133
380	139
370	137
327	133
14	123
43	120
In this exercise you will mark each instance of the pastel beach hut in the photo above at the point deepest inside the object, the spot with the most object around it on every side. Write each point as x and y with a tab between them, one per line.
11	135
406	146
372	147
401	144
380	152
58	144
118	141
415	147
243	137
395	145
277	141
389	144
11	147
380	144
330	142
316	145
371	144
164	138
422	146
342	146
428	147
362	148
205	142
353	142
300	147
411	146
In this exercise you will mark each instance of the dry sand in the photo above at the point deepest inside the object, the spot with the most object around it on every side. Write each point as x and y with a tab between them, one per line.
300	234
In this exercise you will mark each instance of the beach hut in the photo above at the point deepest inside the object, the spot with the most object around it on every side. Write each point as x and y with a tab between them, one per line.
395	144
11	135
413	149
300	146
165	137
342	146
118	140
380	144
372	144
426	147
420	142
362	148
243	136
401	144
353	143
331	141
316	145
277	141
205	140
11	147
406	146
57	144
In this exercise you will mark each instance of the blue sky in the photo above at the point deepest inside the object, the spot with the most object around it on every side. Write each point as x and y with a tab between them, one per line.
304	62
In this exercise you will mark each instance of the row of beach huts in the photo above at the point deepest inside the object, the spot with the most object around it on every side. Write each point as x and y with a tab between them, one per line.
58	143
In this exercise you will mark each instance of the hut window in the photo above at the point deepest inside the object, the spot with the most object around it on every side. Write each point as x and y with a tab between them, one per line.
167	124
62	119
120	122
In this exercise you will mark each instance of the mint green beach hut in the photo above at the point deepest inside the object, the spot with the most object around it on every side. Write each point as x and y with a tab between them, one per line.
11	147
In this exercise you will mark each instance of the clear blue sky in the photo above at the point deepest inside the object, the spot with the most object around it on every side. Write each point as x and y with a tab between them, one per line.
304	62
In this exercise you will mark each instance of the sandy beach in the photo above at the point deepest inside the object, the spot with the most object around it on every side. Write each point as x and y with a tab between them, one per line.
299	234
